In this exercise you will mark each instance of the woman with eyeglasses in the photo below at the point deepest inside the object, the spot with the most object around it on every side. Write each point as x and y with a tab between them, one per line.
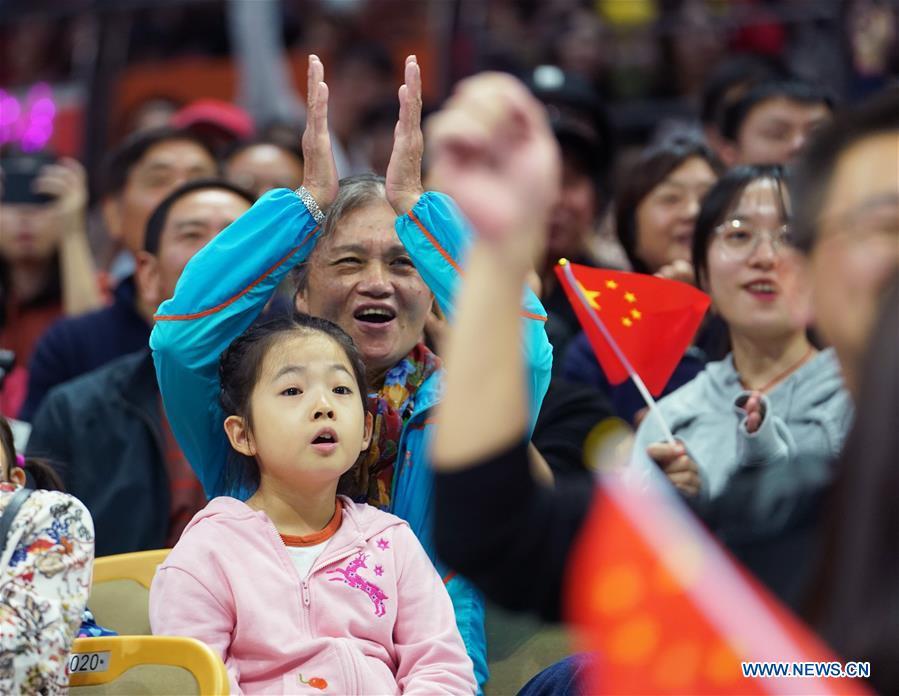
756	432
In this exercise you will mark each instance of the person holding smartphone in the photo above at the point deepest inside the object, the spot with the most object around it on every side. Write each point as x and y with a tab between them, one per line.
46	269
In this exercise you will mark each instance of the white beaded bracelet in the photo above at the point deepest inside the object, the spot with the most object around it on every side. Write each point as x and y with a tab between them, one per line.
309	201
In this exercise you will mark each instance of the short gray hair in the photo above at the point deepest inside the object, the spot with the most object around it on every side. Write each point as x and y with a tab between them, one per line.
353	193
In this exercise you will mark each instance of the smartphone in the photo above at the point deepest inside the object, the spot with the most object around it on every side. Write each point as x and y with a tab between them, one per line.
17	174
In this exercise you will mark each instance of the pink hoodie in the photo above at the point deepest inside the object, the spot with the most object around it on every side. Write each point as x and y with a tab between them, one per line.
372	617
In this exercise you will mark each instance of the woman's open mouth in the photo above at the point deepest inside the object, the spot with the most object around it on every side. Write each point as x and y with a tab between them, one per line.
762	290
374	316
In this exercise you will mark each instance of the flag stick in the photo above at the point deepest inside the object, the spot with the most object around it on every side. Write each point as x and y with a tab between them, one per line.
641	387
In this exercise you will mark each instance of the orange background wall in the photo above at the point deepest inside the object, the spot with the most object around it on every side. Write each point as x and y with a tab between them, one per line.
186	79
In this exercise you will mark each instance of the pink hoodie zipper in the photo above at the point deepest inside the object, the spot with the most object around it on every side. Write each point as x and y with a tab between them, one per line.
346	552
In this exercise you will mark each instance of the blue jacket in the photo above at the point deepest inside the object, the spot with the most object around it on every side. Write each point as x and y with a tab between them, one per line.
225	286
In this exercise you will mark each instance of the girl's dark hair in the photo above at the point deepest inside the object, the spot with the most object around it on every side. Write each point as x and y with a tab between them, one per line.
854	602
650	169
239	370
40	473
721	200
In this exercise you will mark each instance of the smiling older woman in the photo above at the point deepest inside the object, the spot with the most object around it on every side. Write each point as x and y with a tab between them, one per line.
385	252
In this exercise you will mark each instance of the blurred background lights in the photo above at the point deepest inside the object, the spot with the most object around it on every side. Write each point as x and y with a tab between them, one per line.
28	123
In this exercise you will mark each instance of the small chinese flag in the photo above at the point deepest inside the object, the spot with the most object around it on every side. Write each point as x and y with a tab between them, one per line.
653	320
662	609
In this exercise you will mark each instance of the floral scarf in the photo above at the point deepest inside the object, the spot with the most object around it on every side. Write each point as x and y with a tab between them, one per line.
391	406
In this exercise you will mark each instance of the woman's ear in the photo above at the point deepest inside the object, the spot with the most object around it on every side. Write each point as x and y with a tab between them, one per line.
367	432
17	476
239	436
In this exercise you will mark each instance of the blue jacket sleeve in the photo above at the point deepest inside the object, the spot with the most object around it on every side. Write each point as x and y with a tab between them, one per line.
222	290
436	235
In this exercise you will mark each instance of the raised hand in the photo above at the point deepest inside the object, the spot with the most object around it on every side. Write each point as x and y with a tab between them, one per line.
66	182
403	180
676	464
492	150
319	171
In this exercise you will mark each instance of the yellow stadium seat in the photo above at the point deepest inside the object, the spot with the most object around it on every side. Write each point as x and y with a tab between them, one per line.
145	665
120	590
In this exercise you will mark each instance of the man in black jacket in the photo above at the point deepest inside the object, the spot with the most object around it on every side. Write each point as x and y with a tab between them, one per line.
106	431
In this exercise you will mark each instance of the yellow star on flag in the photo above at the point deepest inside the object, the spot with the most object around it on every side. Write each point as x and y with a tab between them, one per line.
626	321
630	297
591	296
611	284
636	313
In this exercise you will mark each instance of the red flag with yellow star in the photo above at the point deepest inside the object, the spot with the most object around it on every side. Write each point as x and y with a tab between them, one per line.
664	610
652	320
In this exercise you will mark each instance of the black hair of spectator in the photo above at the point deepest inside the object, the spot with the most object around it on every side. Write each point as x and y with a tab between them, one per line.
40	472
236	148
854	598
119	163
650	169
587	156
740	71
721	200
240	368
735	113
157	221
579	120
813	172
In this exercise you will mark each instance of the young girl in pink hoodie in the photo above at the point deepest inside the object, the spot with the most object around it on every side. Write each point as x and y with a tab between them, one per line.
299	589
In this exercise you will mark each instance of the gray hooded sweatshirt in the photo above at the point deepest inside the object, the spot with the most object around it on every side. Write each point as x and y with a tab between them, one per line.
755	484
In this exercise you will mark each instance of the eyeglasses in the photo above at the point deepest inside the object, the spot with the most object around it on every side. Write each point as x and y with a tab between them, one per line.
740	239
